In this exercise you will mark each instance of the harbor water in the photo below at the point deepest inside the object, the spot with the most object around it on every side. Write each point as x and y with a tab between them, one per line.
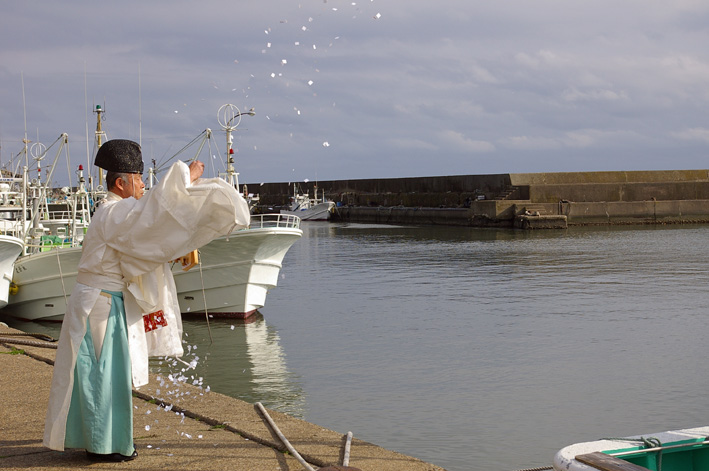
473	349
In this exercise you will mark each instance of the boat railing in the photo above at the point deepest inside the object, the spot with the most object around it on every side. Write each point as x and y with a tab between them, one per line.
263	221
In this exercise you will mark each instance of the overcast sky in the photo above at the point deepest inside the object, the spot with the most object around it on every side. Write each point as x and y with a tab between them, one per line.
366	88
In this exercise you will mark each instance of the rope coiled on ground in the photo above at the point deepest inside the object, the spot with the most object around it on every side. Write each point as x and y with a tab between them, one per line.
9	338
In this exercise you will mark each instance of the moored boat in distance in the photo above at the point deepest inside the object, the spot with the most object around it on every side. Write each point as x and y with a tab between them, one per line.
677	450
310	209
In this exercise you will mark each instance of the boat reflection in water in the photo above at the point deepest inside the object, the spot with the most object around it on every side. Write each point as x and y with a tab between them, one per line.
244	361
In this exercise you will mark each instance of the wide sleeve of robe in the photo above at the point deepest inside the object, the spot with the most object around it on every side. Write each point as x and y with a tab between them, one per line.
172	219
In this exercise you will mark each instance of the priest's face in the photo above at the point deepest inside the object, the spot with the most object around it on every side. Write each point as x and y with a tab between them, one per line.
135	186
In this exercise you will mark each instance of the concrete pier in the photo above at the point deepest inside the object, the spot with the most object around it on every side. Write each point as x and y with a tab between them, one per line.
199	431
583	198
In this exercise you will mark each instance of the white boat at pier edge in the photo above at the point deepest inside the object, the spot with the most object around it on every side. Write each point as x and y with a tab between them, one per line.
232	278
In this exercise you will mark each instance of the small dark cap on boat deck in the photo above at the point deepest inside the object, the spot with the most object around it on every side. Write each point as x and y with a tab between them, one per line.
120	155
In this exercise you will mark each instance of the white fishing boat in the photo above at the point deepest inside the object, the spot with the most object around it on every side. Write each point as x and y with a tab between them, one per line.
309	209
676	450
236	272
46	269
232	278
234	275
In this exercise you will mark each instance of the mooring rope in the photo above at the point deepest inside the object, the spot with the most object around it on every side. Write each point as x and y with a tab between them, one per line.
61	277
45	337
33	343
204	297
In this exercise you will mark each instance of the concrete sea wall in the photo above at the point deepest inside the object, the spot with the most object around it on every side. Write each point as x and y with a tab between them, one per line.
528	200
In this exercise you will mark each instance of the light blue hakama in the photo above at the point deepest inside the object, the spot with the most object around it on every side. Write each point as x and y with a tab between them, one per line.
100	416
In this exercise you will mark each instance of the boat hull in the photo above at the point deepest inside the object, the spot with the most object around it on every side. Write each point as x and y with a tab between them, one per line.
44	282
235	274
681	450
10	248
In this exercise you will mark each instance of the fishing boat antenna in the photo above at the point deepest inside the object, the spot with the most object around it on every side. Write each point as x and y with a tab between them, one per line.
140	112
88	151
229	118
24	112
99	134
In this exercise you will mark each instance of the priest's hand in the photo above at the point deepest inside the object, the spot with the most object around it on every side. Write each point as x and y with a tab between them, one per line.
196	170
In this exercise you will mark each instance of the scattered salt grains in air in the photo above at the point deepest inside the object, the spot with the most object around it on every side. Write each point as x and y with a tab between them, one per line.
310	82
232	327
284	61
377	16
326	144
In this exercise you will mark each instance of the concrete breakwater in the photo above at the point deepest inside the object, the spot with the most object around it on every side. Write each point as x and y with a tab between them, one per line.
523	200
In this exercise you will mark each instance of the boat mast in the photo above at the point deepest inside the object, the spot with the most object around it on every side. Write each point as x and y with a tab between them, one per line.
229	118
99	134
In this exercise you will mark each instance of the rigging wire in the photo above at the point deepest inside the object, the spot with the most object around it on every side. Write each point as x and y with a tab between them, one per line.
163	165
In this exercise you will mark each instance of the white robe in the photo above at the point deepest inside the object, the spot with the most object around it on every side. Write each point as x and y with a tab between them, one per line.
126	248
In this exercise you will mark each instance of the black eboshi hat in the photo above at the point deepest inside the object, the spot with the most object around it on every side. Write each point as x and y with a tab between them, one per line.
120	155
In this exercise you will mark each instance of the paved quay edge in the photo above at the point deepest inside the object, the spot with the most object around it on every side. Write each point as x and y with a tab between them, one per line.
176	426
